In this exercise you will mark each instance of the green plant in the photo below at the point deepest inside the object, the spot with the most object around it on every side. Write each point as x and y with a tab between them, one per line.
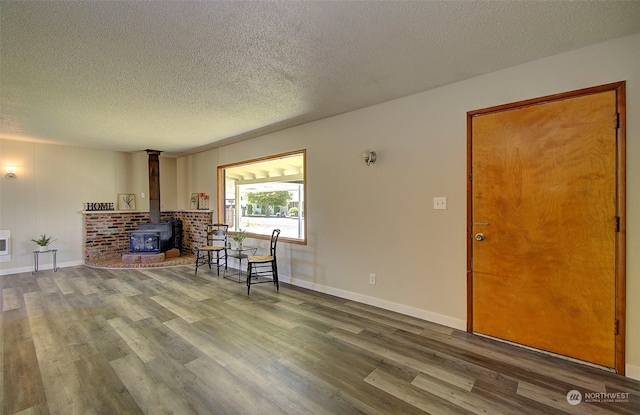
239	236
43	240
293	211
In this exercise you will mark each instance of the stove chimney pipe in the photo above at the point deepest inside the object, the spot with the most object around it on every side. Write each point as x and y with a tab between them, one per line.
154	185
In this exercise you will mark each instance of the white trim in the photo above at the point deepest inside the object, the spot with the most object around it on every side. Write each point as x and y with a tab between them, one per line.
41	267
632	372
376	302
102	212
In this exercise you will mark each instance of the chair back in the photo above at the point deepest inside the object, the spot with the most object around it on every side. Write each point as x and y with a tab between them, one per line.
274	241
217	234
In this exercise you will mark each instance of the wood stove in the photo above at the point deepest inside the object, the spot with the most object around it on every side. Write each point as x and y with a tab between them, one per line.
141	242
156	237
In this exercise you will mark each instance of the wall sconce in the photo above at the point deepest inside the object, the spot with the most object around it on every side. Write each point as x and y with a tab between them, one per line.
11	172
369	157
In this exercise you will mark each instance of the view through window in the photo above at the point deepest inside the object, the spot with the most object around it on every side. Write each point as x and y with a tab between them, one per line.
258	196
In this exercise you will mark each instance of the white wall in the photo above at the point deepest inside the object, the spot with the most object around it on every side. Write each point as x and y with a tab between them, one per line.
360	219
197	174
379	219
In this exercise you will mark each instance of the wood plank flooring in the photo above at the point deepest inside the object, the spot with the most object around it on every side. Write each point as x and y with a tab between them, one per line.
162	341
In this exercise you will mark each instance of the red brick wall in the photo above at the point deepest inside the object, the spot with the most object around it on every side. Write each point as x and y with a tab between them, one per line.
194	227
106	234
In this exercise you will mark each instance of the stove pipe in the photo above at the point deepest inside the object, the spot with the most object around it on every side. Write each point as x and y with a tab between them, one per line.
154	185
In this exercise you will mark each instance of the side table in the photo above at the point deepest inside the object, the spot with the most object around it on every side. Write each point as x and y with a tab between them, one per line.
239	253
36	254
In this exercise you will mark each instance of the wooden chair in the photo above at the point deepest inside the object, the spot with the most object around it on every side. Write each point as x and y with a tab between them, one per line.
264	268
216	241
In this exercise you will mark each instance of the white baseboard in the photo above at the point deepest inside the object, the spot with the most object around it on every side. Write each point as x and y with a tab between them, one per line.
40	268
632	372
376	302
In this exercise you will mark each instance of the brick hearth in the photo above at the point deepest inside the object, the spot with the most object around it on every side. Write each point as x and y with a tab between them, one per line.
168	262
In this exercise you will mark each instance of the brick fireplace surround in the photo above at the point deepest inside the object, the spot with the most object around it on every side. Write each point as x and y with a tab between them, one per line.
106	233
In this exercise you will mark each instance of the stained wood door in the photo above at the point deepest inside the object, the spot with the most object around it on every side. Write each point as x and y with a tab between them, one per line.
544	218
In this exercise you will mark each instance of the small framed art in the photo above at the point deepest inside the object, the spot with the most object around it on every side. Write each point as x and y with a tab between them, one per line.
193	201
203	203
126	201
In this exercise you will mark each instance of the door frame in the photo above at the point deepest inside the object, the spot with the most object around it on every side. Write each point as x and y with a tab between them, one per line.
618	120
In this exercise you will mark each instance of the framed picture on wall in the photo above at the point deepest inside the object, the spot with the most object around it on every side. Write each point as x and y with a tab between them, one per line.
193	201
126	201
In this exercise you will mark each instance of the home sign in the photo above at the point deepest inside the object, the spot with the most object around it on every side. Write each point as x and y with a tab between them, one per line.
96	206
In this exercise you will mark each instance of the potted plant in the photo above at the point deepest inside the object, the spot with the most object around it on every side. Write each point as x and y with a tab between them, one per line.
239	236
43	242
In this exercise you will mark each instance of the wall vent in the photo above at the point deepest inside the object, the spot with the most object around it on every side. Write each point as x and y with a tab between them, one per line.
5	246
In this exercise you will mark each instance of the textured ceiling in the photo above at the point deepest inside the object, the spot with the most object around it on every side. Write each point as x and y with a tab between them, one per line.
184	76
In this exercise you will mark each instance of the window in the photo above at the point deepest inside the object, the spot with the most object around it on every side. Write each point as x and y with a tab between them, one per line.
261	195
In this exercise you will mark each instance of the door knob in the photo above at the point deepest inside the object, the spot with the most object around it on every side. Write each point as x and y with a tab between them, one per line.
479	236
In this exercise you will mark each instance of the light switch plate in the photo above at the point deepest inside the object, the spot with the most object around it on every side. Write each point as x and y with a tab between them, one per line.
439	202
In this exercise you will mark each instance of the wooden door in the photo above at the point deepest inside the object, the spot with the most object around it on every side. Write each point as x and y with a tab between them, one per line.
544	225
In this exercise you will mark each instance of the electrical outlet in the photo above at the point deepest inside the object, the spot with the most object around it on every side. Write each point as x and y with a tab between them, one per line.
439	202
372	279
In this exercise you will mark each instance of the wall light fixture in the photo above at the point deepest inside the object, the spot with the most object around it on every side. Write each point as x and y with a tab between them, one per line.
11	172
369	157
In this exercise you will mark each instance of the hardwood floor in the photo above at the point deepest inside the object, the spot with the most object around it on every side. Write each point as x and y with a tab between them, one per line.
162	341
